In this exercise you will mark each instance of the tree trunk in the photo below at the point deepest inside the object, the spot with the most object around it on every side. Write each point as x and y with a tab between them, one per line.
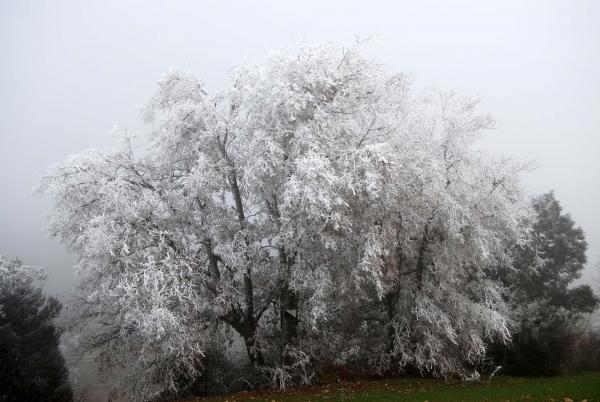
389	301
288	307
249	324
288	314
255	355
421	256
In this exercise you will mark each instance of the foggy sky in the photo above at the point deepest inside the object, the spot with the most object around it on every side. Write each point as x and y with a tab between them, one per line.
71	70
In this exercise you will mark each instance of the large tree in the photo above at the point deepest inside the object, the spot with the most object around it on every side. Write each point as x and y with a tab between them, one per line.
546	307
32	367
311	185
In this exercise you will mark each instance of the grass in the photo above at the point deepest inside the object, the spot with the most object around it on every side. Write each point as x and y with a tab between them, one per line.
575	387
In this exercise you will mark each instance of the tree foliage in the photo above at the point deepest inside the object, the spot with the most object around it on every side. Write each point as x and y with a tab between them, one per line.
31	365
546	307
313	190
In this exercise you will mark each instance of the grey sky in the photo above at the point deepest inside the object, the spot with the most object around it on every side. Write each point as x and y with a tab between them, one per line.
71	70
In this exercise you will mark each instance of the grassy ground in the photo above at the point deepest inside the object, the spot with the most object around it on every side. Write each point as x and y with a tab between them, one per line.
575	387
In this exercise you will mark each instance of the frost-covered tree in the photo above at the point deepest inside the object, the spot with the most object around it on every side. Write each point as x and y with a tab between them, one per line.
312	185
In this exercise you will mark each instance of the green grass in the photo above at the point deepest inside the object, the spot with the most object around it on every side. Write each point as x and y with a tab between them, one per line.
576	387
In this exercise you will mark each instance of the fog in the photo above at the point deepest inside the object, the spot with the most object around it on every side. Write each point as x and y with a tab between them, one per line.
70	71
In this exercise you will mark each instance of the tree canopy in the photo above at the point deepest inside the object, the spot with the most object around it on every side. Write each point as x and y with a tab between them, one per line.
555	260
316	188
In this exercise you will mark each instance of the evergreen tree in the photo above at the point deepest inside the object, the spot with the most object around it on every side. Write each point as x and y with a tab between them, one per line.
546	306
31	365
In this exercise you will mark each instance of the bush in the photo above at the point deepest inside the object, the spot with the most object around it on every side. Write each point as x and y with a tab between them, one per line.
221	374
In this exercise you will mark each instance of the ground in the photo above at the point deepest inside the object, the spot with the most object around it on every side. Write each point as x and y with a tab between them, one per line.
566	388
